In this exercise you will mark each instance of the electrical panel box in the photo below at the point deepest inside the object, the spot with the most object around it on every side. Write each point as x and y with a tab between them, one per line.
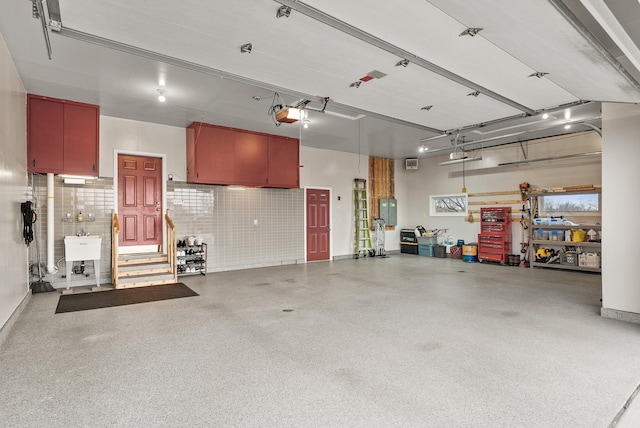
388	211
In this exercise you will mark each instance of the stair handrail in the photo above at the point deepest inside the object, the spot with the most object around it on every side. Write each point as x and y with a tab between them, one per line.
172	246
115	230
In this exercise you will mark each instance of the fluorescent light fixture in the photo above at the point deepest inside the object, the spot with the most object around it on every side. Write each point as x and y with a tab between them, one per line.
465	160
74	181
84	177
288	115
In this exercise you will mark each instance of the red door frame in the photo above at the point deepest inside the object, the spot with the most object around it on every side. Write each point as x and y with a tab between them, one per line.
324	253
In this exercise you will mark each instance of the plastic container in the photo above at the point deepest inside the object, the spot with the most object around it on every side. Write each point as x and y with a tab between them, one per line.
426	250
456	252
569	258
470	253
428	240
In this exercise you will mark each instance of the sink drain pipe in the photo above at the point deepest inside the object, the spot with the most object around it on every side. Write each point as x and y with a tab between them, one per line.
51	266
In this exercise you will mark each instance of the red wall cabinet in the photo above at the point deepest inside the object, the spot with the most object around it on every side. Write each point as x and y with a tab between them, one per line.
251	159
284	159
219	155
62	136
211	157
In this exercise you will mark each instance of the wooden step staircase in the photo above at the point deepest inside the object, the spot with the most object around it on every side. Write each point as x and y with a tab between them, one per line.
143	269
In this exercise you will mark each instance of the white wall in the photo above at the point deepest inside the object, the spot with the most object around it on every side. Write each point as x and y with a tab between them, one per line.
131	135
335	170
321	168
620	227
480	176
13	184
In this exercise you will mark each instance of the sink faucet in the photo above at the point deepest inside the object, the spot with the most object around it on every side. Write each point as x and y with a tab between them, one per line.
82	233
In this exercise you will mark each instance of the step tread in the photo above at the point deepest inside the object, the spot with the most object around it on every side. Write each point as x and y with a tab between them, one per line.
144	272
144	283
138	259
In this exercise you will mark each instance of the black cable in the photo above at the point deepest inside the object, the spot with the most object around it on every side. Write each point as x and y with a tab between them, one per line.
29	217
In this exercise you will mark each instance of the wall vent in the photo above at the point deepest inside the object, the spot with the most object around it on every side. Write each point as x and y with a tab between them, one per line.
411	163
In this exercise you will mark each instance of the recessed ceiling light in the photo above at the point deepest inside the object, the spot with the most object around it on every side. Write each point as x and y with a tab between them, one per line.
356	84
161	97
257	97
427	108
567	126
423	149
474	94
538	74
402	62
246	48
545	116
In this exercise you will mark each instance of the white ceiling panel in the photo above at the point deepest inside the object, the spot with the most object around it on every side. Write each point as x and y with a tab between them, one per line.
429	33
115	53
540	37
294	56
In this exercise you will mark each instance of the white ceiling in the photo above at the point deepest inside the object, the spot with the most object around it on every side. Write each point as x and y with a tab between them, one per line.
117	53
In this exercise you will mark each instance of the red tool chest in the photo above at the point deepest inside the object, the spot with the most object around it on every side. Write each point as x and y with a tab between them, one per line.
494	239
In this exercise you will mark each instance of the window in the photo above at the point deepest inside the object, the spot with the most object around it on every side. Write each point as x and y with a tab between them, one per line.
581	203
448	205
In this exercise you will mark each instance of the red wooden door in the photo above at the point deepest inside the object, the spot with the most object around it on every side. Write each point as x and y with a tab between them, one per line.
140	200
318	205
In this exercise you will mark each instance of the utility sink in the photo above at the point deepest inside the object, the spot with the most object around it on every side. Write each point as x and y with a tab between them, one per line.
78	248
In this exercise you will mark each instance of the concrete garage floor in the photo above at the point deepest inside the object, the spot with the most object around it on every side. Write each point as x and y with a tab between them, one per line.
404	341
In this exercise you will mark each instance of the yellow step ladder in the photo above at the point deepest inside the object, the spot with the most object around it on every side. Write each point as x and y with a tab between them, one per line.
363	244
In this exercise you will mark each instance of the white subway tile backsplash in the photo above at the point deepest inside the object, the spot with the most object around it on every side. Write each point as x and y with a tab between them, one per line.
222	216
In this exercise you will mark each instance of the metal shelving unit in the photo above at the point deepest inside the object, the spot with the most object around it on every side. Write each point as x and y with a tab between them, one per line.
192	259
587	246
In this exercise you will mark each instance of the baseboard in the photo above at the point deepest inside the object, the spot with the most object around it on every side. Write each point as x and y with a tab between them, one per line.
620	315
8	326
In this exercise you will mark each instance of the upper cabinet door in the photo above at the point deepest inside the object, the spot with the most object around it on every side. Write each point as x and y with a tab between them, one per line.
214	155
81	139
45	135
62	136
284	160
219	155
251	159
